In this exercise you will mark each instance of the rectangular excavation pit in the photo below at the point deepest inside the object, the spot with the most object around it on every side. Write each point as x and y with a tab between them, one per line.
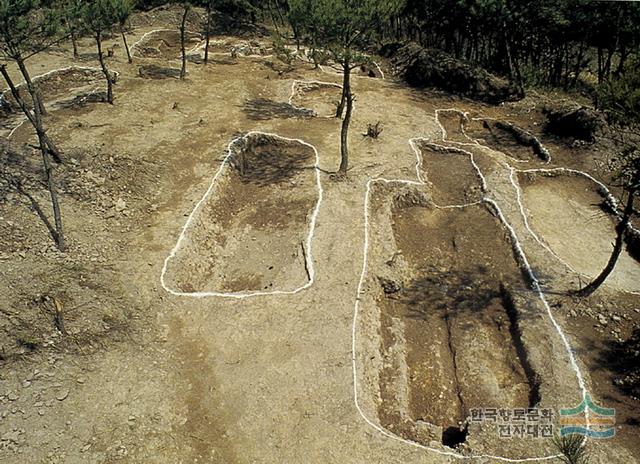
564	210
251	233
452	122
321	97
451	174
448	332
164	44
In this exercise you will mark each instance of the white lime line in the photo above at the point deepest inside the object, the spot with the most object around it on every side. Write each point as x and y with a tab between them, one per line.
145	37
196	209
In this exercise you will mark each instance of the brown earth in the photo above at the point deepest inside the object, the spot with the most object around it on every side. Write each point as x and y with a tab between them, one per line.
139	375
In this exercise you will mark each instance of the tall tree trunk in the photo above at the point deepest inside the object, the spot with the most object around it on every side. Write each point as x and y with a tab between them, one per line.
74	43
183	28
126	45
57	217
35	122
105	71
344	136
33	90
346	85
621	230
578	68
207	33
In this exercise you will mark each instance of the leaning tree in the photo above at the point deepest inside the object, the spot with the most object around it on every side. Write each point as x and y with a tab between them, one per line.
26	29
627	176
101	16
123	10
341	28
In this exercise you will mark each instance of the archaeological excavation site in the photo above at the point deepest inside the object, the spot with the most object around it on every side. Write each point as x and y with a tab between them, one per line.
319	231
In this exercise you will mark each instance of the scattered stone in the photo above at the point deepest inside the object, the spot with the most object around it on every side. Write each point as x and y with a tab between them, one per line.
120	205
389	286
602	320
61	396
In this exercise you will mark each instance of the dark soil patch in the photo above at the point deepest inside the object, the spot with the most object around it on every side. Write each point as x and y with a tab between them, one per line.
461	347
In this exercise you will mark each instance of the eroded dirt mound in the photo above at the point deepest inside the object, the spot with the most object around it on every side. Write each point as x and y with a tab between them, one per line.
164	44
422	67
575	121
251	233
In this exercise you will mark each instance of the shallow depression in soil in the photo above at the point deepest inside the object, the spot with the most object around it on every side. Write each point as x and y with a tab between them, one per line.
250	234
451	174
448	338
322	98
565	212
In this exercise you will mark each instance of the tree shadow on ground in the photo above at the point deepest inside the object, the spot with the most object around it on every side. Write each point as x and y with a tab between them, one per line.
623	360
271	164
449	291
261	109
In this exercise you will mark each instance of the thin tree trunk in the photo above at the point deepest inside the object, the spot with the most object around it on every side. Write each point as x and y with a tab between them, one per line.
346	85
59	236
36	120
183	26
208	34
578	68
37	124
344	137
126	45
105	71
74	42
33	91
621	230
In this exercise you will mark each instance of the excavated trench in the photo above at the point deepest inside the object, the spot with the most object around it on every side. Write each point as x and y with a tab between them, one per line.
507	138
250	234
323	98
449	332
566	211
451	175
164	44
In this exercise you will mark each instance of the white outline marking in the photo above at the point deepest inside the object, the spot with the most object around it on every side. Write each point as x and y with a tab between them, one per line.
309	242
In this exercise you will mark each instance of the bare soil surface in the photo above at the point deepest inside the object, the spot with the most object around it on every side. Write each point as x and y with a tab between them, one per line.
251	233
124	371
566	212
438	166
322	98
468	359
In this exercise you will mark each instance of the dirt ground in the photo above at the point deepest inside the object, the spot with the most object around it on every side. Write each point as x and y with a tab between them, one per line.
138	375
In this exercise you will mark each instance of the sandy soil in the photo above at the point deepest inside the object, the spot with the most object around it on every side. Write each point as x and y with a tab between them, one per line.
566	212
145	376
